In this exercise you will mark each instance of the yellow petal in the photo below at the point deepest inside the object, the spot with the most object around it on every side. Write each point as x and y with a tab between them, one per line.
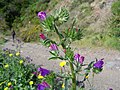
40	77
17	54
6	88
9	84
31	82
87	76
63	63
21	61
6	66
63	85
10	55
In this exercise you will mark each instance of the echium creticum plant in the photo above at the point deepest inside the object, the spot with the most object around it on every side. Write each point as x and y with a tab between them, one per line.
74	61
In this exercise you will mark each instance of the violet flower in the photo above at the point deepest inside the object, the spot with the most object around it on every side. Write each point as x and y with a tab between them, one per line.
43	71
43	86
40	87
53	47
79	58
110	89
42	36
99	64
42	15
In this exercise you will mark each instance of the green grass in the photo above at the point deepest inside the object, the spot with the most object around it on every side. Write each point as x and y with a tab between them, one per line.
2	40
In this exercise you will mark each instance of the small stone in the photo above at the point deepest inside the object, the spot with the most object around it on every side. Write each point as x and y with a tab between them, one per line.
117	67
117	58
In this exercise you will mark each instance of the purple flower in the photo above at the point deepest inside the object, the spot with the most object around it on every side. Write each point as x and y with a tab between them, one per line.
110	89
28	59
42	15
45	84
34	73
5	49
99	64
79	58
42	86
43	71
42	36
53	47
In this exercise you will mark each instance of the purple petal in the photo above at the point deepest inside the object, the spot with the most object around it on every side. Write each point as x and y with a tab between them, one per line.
99	64
42	36
43	71
110	89
45	84
81	59
42	15
77	57
40	87
53	47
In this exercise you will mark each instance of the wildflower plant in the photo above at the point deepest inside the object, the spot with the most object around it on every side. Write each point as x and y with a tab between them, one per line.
17	73
67	80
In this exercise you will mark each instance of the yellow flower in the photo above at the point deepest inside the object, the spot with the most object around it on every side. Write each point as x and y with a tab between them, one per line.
9	84
21	61
6	88
63	63
10	55
31	82
6	66
63	85
87	76
40	76
17	54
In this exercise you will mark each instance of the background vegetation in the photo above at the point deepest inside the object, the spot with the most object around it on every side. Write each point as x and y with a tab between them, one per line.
99	20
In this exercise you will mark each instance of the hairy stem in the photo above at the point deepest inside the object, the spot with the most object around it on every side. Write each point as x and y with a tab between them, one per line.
71	65
73	77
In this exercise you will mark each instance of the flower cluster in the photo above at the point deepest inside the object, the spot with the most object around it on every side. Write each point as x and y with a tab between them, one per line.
25	74
79	58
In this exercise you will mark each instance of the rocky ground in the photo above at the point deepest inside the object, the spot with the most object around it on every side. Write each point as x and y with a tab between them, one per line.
109	78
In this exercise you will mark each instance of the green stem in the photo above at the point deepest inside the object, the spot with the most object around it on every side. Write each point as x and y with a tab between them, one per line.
58	33
66	84
93	80
61	37
73	77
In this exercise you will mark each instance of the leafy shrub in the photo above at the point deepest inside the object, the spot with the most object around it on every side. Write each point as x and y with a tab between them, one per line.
115	25
112	42
116	8
18	73
11	9
28	25
30	33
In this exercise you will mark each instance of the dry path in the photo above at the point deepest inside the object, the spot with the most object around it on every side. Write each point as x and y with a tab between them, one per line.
110	77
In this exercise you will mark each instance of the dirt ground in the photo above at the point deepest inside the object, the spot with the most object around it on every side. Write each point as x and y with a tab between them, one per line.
109	78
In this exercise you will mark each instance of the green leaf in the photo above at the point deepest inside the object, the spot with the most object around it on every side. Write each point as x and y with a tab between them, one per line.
61	15
91	64
53	53
96	70
53	58
48	24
